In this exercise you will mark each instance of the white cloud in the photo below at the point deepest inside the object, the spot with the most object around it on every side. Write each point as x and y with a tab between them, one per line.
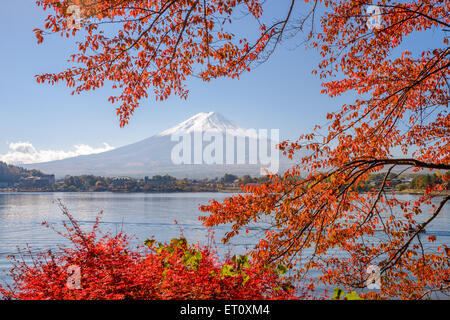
26	153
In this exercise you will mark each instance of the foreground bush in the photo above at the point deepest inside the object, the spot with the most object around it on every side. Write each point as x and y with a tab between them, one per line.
110	269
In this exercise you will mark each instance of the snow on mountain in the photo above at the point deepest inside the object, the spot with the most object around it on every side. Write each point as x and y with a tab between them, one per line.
207	121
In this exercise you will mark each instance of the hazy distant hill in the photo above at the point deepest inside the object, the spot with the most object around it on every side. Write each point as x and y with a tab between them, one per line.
153	155
10	174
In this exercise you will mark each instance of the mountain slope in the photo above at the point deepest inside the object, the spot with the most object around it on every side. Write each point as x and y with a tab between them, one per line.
154	155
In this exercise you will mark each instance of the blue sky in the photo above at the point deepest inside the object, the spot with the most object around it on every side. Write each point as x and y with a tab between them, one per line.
279	94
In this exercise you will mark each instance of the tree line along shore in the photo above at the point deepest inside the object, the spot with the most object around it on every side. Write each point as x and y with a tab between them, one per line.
17	179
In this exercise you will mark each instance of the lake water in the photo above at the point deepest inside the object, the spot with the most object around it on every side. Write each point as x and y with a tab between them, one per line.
142	215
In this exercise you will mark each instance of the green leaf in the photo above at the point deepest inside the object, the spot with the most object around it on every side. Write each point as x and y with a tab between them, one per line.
180	243
352	296
282	269
149	242
227	270
337	293
246	278
192	259
242	262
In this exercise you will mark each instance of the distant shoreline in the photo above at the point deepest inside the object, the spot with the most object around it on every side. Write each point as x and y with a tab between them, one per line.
228	190
119	192
418	192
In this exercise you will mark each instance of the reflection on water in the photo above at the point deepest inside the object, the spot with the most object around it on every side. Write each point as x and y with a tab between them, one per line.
142	215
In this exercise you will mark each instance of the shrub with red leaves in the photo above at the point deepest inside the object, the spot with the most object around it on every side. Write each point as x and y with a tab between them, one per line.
110	269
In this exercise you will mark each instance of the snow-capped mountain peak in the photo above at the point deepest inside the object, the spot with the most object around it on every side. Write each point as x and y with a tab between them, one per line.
155	155
205	121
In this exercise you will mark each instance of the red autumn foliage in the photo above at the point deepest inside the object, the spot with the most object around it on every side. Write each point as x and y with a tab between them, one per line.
398	120
111	270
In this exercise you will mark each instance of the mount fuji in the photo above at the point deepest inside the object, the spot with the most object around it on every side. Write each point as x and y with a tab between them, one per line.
154	155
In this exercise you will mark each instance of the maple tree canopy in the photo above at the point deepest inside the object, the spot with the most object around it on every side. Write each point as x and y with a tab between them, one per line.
401	110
